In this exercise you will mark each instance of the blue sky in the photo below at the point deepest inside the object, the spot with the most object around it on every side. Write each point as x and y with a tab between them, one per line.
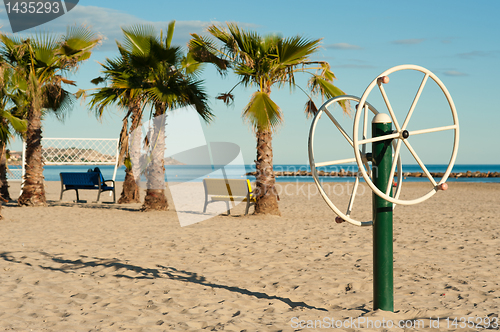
456	40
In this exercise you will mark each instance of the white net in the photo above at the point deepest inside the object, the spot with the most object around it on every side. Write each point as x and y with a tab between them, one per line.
73	151
79	151
15	172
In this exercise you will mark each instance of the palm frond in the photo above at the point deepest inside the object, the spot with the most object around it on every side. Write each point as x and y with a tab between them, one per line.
318	85
81	93
203	49
262	112
137	38
77	46
227	98
18	124
326	71
190	66
221	34
310	109
79	39
170	34
198	98
44	46
105	97
98	80
295	50
57	99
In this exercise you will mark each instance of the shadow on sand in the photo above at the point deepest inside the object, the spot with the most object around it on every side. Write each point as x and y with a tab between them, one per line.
85	205
168	272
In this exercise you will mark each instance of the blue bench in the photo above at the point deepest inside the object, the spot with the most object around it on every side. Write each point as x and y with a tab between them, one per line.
91	180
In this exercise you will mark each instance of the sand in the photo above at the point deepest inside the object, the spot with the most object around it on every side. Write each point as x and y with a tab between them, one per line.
109	267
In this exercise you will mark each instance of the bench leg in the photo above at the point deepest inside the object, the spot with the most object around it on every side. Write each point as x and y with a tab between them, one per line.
114	196
77	196
248	207
228	211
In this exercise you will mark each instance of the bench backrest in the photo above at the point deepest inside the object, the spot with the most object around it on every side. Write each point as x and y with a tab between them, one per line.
80	179
229	187
97	170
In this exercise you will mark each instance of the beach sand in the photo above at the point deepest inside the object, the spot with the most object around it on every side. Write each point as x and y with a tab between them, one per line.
109	267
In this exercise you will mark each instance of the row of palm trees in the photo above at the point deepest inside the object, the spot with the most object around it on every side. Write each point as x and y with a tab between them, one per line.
150	75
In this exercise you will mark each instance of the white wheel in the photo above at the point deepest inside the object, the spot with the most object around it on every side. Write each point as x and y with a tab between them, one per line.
401	135
314	165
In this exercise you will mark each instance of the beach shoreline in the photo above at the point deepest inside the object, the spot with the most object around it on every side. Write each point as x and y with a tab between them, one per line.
100	266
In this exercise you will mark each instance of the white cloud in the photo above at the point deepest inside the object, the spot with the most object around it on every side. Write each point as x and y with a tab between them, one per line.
343	46
454	73
412	41
477	54
108	22
354	66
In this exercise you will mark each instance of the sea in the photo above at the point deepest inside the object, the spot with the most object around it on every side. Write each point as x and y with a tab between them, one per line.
185	173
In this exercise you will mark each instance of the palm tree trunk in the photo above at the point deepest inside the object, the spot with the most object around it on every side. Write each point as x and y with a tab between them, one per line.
33	188
155	172
130	192
4	187
266	194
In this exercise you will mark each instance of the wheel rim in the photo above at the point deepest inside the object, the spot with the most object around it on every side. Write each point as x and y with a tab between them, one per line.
314	165
399	134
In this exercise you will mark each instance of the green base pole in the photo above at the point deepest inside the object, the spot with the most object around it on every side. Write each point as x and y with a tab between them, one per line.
383	287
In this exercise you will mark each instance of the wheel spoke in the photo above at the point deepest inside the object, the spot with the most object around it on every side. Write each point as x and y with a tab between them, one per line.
422	166
365	127
339	127
432	130
368	169
379	138
365	124
415	100
389	107
393	167
353	195
335	162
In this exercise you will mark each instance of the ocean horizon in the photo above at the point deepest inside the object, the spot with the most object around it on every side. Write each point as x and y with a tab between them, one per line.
184	173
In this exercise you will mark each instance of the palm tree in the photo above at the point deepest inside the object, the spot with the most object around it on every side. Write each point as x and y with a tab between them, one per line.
11	123
119	74
41	63
266	62
170	81
162	77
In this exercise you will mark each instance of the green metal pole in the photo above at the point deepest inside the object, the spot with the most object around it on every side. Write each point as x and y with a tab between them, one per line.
383	287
